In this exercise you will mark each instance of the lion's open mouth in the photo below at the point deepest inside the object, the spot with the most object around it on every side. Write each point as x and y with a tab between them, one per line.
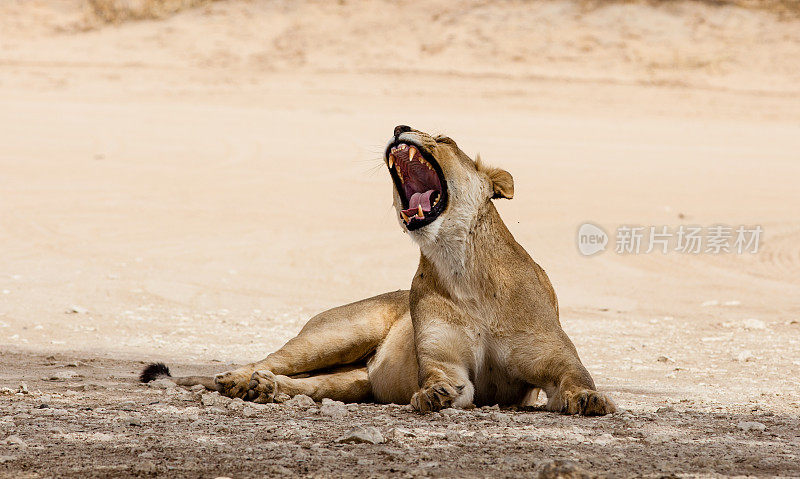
419	182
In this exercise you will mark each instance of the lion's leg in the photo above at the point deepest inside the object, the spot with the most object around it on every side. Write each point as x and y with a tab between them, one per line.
341	335
444	354
347	384
553	364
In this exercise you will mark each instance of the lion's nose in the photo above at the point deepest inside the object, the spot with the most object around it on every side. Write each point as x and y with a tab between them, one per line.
399	129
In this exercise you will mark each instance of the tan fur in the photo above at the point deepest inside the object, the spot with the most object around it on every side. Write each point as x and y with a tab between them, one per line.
479	326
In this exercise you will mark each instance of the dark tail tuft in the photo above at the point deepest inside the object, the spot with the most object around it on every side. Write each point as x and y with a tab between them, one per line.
154	371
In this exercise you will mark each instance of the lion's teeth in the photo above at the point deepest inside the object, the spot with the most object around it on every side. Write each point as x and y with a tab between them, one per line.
419	211
391	161
411	152
405	217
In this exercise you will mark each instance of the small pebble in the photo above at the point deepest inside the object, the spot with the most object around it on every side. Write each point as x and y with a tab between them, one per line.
15	440
748	426
562	469
162	383
249	411
745	356
396	433
499	417
362	435
212	399
62	376
752	323
335	409
301	401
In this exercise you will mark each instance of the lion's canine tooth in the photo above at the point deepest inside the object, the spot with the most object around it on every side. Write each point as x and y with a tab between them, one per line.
411	152
405	217
391	161
419	211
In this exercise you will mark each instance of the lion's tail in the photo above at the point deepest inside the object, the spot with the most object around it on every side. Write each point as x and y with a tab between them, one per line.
155	371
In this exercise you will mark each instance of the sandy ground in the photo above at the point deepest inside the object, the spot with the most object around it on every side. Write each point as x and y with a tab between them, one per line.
197	187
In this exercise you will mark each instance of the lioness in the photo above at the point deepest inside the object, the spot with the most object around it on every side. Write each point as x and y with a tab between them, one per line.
479	326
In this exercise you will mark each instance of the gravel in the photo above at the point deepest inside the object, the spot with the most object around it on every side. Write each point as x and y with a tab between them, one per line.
108	425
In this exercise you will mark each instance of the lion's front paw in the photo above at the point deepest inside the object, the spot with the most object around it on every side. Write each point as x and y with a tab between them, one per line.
234	383
435	396
586	402
263	387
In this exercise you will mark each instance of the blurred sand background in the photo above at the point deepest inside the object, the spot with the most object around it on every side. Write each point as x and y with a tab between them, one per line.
197	180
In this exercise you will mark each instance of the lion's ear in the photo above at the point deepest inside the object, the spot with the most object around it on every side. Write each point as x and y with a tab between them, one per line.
501	180
502	183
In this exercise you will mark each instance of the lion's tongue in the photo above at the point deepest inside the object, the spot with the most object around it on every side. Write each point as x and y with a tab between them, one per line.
419	200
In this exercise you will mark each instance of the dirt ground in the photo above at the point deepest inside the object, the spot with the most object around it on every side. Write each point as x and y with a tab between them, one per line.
191	189
91	419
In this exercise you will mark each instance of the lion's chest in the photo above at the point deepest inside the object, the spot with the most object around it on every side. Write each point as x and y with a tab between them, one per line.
492	381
